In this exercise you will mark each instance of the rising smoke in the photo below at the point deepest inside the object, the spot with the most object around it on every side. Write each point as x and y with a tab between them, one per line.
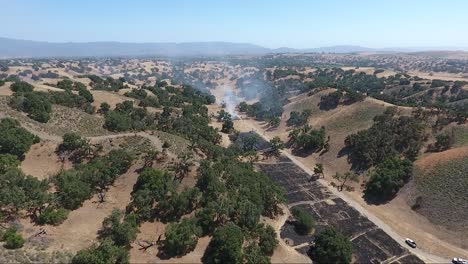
231	100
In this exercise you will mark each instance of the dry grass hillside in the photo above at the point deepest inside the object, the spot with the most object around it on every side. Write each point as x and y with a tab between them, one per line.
62	120
439	189
339	123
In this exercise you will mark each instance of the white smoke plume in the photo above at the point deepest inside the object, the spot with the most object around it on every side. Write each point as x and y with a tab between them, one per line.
231	100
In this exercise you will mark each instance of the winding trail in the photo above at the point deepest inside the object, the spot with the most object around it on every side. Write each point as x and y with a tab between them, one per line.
46	136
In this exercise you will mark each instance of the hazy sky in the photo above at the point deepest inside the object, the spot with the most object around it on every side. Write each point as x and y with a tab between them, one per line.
292	23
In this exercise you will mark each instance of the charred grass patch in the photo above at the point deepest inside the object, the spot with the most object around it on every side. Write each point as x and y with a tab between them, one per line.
410	259
370	244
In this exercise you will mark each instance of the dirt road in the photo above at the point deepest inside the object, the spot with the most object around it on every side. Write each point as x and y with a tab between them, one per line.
45	136
426	257
251	125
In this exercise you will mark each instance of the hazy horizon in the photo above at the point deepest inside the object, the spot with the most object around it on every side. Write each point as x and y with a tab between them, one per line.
270	24
389	48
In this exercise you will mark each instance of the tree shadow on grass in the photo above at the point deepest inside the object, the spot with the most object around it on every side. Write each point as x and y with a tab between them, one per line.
375	200
304	153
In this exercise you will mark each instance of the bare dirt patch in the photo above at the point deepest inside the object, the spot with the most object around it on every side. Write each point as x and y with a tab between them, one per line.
109	97
430	160
5	89
80	229
42	161
149	231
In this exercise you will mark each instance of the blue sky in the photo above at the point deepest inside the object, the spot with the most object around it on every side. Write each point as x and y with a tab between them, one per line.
292	23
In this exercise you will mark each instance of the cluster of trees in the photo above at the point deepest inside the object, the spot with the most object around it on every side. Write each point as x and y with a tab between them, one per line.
246	142
127	117
38	105
388	136
332	247
14	139
352	87
155	196
82	100
261	111
8	162
191	122
390	144
227	202
280	73
299	118
276	145
169	96
177	97
304	223
12	238
438	83
227	245
67	84
308	139
85	96
20	192
144	99
347	97
226	118
105	251
388	177
76	147
345	80
443	142
107	84
49	75
75	186
331	100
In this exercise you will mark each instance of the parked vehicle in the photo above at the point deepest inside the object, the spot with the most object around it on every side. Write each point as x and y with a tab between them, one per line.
410	243
459	261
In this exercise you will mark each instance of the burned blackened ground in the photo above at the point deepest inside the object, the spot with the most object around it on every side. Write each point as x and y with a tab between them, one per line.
370	243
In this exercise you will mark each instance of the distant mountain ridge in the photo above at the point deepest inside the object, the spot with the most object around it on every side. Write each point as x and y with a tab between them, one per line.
15	48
